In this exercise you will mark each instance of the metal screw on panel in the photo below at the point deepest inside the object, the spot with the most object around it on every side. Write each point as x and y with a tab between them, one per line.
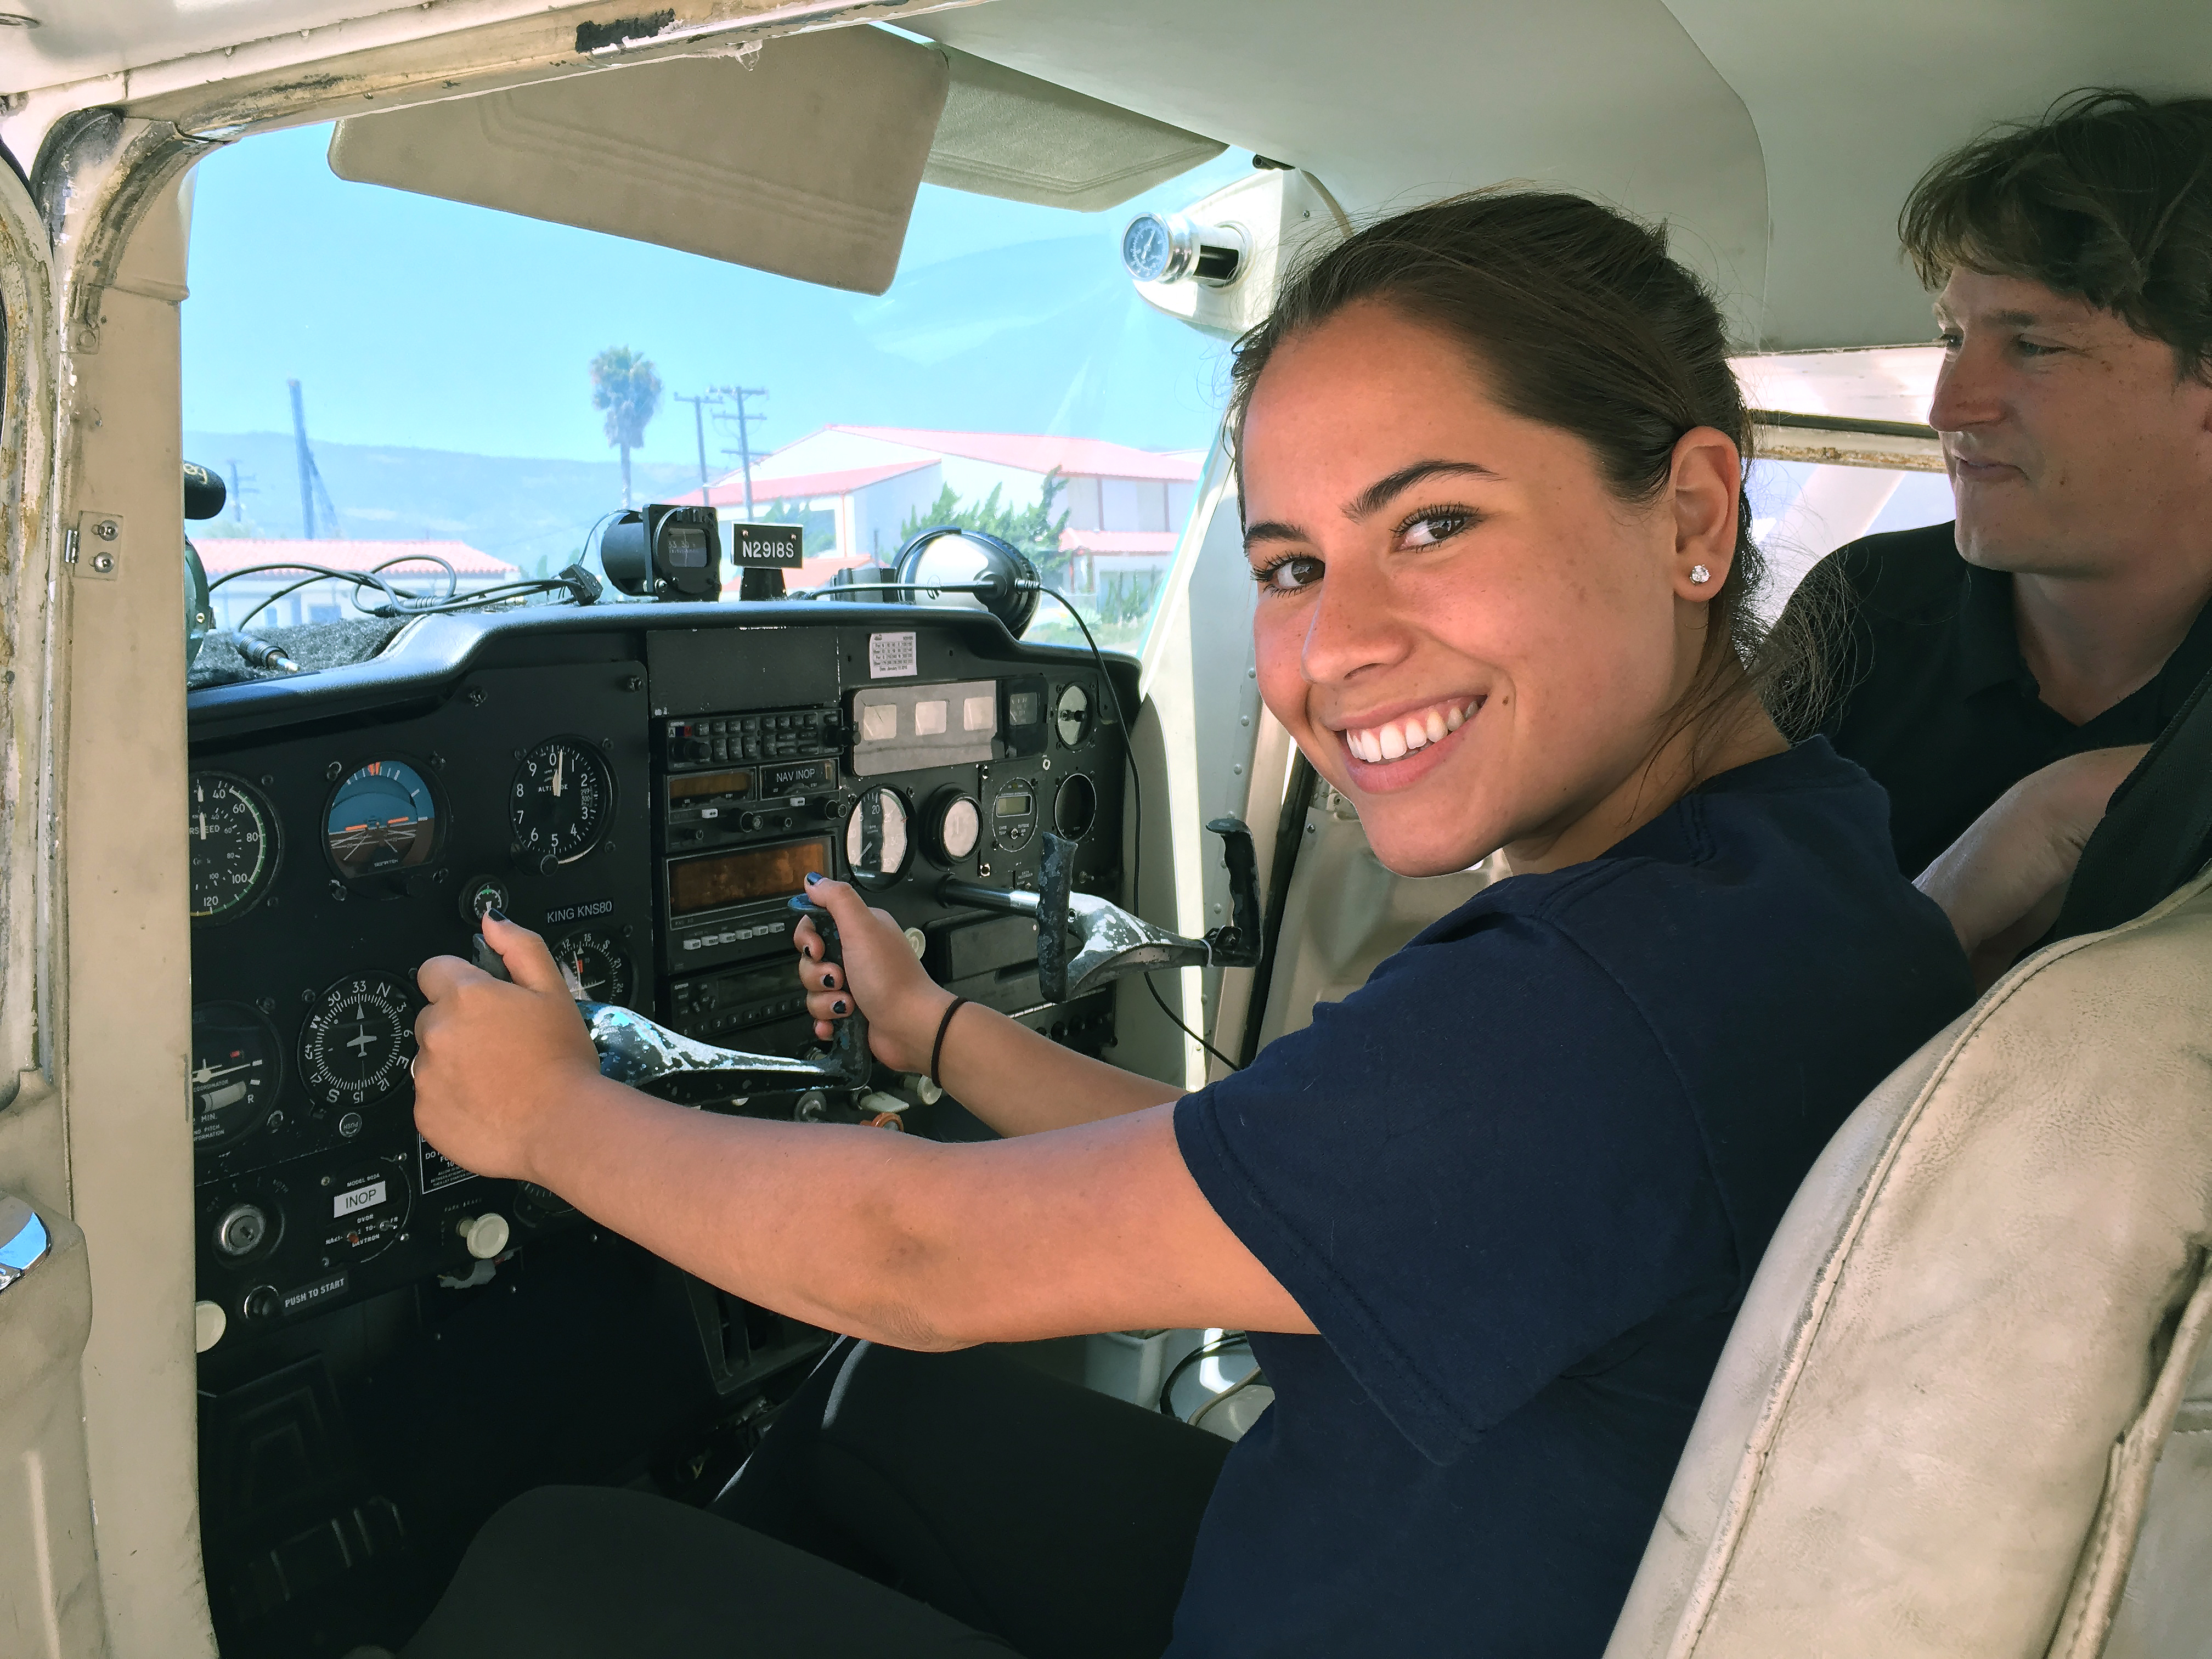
437	760
632	683
106	530
104	564
335	770
266	1005
268	780
475	696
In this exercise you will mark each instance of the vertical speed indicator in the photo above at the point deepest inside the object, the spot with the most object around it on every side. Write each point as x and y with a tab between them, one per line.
560	802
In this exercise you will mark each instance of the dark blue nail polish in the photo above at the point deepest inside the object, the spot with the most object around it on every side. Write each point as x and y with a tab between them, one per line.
812	878
829	981
497	914
837	1007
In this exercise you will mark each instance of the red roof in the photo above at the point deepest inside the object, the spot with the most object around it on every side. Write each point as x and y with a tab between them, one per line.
807	486
221	555
1118	541
1086	457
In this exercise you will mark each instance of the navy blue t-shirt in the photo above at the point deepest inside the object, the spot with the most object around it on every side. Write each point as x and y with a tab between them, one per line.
1519	1181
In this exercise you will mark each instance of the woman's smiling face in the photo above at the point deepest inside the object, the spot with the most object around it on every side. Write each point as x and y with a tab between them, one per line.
1460	623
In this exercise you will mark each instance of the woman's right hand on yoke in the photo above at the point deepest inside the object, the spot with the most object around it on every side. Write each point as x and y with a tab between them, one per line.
879	975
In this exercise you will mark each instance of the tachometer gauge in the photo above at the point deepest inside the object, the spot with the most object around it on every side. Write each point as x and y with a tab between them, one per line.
237	1067
952	826
382	817
234	844
560	801
602	967
359	1040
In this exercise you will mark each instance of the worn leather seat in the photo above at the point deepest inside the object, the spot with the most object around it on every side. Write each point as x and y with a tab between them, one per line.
1966	1410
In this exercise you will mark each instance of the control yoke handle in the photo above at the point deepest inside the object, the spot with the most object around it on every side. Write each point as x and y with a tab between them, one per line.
641	1052
1108	943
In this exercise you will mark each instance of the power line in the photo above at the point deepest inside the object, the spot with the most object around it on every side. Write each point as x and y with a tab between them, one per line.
699	407
241	484
742	416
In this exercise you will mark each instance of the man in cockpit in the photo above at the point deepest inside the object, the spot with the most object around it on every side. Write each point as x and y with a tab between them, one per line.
2065	610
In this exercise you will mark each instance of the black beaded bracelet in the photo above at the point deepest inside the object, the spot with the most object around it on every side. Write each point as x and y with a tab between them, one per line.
937	1049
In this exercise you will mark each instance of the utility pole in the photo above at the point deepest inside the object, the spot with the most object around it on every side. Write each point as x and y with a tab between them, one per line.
699	406
742	416
305	460
240	484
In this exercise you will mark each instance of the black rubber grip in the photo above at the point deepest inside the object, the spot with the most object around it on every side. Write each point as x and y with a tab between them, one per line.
848	1049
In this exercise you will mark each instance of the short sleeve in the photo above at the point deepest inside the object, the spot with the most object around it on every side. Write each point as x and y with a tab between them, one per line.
1475	1171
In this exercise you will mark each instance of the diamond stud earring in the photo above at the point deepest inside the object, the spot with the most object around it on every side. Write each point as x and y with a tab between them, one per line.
1699	574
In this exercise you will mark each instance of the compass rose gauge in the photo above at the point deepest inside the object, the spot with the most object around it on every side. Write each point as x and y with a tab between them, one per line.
600	964
382	817
358	1041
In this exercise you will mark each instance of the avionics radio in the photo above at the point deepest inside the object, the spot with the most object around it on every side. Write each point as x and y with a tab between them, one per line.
749	805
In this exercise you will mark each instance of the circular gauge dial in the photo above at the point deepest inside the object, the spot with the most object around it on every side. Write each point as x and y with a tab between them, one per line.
1146	246
600	964
232	841
363	1208
560	801
382	817
359	1040
238	1065
956	824
1075	807
1071	717
876	842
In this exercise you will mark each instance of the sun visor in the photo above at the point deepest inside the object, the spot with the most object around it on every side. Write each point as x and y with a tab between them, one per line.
1011	135
804	162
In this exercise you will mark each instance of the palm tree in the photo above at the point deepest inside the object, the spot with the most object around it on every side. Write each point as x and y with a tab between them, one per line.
624	385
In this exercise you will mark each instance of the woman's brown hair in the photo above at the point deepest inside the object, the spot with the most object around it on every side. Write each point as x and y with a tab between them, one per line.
1583	322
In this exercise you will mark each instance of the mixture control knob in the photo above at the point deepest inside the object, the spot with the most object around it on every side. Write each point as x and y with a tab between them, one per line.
262	1302
485	1235
241	1230
209	1321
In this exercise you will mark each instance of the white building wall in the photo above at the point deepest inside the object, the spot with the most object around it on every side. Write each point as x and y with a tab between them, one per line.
880	508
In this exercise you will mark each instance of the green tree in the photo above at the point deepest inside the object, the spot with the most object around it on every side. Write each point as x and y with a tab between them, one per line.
1034	529
625	385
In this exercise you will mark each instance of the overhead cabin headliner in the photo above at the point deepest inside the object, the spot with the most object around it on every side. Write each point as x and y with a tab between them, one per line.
1776	137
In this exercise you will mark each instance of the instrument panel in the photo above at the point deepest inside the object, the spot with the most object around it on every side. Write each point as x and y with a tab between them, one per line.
647	792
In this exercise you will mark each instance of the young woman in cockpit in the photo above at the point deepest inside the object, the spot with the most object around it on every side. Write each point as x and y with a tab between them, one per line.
1487	1219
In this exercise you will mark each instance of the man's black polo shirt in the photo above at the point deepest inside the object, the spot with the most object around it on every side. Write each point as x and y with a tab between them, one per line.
1931	695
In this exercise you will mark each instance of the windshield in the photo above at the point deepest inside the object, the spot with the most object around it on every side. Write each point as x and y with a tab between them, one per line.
464	398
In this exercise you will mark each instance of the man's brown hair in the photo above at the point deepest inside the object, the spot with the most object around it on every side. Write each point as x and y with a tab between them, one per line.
2107	199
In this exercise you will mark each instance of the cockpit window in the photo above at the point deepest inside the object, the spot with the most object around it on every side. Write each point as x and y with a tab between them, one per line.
452	401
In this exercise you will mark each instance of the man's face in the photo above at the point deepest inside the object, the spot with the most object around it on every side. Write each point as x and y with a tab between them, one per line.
2072	447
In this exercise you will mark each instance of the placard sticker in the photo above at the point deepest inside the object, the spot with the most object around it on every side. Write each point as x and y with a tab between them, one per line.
892	656
929	718
360	1198
879	721
979	713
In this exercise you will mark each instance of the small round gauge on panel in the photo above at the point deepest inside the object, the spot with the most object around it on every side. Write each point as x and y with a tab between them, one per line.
952	825
1013	814
234	844
560	802
238	1065
877	846
602	967
1075	806
367	1203
1071	717
382	817
358	1039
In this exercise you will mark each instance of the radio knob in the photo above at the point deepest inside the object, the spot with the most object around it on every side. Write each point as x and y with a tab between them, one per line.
687	750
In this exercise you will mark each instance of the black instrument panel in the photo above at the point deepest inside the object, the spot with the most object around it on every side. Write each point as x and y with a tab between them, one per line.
645	786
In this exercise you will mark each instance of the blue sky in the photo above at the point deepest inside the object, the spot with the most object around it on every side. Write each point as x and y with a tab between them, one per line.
410	321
